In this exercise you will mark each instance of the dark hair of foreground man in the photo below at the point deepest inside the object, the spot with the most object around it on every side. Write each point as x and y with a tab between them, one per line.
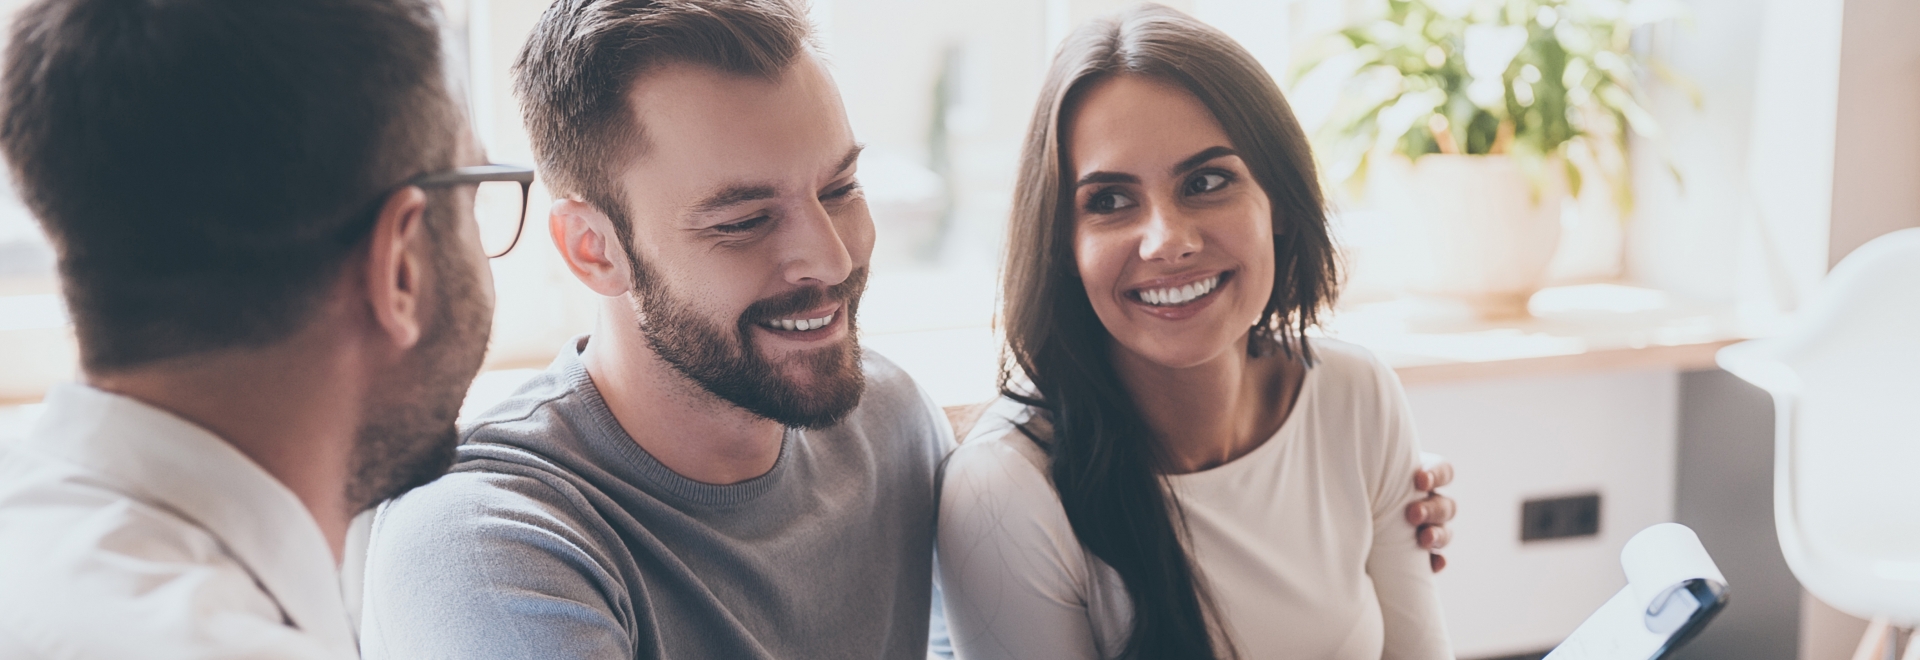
205	167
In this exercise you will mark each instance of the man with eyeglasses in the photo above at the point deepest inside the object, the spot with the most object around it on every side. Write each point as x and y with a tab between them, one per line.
266	227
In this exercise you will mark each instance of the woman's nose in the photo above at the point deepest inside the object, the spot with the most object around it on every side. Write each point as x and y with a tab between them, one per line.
1168	235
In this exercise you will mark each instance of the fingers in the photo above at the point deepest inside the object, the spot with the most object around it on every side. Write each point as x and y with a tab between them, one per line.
1435	472
1434	537
1436	509
1440	509
1430	515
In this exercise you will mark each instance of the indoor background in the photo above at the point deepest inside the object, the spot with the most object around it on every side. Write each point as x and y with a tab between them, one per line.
1788	133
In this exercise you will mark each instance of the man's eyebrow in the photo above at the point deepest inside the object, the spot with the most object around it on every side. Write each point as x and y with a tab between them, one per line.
848	160
733	194
752	192
1201	158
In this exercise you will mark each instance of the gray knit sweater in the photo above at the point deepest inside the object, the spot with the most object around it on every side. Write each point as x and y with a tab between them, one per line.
557	536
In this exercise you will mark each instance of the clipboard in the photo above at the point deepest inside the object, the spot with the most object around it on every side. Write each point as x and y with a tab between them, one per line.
1673	591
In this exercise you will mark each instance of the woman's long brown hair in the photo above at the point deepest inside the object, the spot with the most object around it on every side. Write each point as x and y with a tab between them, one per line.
1107	465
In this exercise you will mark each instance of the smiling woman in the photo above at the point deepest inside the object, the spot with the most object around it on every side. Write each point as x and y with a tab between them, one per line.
1171	222
1172	471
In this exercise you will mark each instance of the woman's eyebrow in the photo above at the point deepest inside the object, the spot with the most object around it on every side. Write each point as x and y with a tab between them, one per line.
1178	169
1106	177
1201	158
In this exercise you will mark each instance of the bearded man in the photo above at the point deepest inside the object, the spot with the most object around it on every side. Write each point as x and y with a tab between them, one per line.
718	471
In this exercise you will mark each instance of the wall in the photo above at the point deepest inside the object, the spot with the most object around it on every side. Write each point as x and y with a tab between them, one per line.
1514	439
1725	493
1876	168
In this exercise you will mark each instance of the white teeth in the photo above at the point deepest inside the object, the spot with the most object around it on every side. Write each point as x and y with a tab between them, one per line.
1181	294
801	325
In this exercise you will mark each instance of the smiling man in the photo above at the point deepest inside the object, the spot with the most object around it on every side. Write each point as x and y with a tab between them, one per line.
718	471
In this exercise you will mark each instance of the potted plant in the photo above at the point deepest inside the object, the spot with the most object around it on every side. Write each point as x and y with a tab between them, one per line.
1478	118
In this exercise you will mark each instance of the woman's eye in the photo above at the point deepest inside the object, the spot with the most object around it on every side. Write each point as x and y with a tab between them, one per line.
742	226
1108	201
1206	182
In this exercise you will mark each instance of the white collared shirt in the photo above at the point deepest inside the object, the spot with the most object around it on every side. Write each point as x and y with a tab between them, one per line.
126	532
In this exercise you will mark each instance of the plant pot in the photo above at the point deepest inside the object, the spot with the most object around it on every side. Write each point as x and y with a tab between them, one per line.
1474	228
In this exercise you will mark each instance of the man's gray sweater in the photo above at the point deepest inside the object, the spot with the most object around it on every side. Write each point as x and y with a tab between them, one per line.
557	536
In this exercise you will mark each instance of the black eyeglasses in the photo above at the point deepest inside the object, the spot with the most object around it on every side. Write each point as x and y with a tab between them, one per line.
499	200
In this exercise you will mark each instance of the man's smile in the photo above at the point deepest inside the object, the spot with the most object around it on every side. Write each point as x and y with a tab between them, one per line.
810	325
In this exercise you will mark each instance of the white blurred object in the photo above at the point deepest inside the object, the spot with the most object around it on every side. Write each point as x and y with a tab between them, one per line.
1845	380
37	345
16	421
1790	161
1489	51
1649	617
490	388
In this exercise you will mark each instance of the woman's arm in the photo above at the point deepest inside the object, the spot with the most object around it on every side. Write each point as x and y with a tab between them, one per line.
1401	570
1013	574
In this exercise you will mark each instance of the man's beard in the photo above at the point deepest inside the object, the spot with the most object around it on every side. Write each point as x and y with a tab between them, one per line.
408	437
723	360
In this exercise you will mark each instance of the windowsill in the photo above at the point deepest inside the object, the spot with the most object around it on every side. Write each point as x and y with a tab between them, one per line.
1574	329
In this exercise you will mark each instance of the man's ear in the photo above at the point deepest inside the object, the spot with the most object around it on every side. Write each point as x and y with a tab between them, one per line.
590	247
395	274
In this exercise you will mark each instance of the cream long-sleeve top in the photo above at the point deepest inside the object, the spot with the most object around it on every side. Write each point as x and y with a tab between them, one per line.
1302	543
129	532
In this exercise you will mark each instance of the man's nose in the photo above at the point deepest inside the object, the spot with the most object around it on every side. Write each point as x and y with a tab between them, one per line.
816	254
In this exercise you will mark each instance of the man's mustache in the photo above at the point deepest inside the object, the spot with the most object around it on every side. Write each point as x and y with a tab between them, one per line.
787	304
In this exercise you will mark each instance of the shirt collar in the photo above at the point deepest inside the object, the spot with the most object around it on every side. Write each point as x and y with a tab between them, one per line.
155	456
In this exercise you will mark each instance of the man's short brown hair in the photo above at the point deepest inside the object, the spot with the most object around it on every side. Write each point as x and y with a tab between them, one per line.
574	73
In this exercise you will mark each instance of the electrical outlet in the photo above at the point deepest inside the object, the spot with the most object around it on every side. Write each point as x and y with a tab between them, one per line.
1560	517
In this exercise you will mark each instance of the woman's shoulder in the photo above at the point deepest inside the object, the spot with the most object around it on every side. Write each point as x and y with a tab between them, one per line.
996	488
1362	414
1001	445
1346	359
1349	374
